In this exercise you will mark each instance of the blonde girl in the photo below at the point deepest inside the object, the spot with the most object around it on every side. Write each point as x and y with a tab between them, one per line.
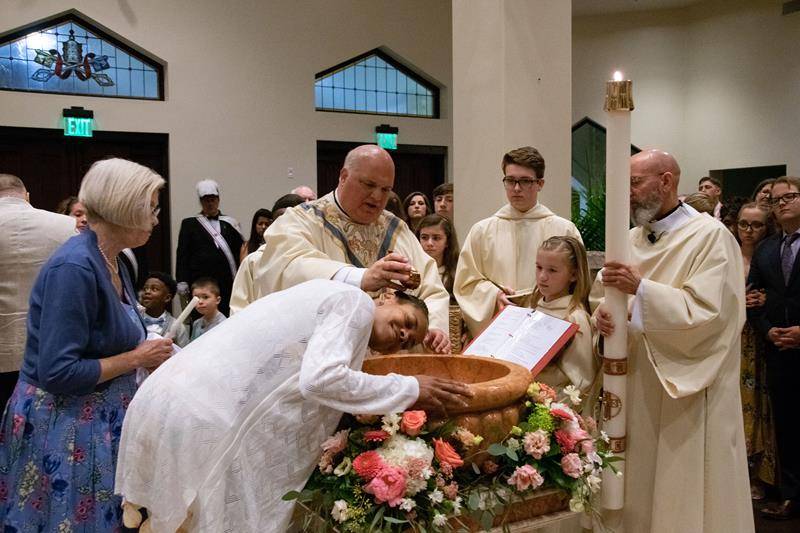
562	290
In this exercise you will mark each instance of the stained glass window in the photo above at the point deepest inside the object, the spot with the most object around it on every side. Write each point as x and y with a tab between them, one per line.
68	55
378	84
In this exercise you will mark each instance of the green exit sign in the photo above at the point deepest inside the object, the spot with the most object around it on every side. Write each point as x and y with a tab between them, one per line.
387	140
78	127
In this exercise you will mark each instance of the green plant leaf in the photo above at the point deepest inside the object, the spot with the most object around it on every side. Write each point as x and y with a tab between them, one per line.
497	449
511	454
291	495
487	518
393	520
474	501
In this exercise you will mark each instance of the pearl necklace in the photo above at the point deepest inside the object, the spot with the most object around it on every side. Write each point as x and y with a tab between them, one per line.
114	268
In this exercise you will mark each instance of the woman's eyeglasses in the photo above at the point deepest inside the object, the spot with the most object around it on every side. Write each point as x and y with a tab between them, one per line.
754	226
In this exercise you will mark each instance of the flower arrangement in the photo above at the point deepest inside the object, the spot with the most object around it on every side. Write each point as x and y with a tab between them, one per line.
403	472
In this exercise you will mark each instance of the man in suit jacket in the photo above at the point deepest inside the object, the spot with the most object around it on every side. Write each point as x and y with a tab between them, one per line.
28	239
208	245
775	268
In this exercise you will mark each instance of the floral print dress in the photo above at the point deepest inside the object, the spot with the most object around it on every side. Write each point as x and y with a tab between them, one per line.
58	456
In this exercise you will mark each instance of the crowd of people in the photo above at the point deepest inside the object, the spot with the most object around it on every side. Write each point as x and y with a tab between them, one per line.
320	283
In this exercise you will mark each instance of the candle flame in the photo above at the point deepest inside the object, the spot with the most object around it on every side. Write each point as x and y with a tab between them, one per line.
617	76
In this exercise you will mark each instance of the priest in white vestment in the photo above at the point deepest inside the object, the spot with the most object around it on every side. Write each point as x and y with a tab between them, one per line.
220	432
348	236
686	465
501	250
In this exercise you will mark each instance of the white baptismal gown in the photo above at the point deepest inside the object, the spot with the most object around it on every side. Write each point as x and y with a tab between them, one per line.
220	432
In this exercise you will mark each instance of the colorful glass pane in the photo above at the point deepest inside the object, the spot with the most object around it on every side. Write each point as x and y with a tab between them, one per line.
69	57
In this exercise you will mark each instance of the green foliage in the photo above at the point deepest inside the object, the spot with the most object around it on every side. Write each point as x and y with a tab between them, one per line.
540	418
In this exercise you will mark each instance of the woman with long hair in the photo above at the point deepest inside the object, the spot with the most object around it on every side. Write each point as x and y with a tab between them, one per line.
438	238
261	221
753	225
416	206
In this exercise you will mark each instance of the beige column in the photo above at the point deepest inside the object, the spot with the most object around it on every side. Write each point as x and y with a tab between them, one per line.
512	76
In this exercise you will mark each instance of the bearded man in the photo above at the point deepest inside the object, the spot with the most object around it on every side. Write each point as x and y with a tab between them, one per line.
686	465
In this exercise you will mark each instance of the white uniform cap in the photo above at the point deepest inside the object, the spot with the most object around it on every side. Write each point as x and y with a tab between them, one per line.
207	188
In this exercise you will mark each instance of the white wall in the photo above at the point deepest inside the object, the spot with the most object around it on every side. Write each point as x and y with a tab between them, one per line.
717	83
511	88
240	75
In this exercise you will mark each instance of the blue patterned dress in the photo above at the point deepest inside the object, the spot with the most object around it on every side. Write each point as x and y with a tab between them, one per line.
58	451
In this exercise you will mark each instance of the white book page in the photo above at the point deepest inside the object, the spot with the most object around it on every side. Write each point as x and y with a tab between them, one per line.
500	331
533	340
519	335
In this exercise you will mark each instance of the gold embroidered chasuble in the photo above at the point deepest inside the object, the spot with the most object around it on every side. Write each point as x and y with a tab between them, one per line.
315	240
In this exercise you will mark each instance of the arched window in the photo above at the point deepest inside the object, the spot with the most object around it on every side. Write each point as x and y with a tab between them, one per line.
67	54
375	83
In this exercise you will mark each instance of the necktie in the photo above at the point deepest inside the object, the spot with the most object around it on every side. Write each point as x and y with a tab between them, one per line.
787	257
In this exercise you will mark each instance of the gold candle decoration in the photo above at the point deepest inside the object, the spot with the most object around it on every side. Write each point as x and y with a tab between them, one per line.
619	94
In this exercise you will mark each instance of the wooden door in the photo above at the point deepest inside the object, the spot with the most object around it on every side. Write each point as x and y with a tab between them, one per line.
52	167
417	168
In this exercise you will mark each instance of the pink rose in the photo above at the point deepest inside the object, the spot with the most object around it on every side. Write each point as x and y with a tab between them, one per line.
376	435
368	464
336	443
565	440
571	465
388	486
446	454
536	443
525	477
412	422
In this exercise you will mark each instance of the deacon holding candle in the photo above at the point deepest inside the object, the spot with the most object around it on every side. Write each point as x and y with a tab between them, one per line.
686	466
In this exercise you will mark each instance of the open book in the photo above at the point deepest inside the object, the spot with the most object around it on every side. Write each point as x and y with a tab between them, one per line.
523	336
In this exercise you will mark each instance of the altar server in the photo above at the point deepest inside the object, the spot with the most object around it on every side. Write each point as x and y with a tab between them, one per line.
212	442
499	250
686	465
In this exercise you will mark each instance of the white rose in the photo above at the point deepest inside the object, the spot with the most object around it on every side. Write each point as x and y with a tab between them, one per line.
339	511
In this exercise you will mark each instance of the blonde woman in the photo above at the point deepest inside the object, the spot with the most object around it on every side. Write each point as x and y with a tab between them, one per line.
60	431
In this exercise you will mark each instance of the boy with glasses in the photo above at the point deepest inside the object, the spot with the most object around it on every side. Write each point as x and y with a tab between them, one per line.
775	269
497	259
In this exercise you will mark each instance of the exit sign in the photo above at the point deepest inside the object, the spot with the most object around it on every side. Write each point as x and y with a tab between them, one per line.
387	140
78	127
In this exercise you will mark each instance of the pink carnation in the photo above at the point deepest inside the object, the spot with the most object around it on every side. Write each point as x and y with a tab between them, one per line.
525	477
565	440
587	446
536	443
388	486
326	463
571	465
336	443
451	490
559	410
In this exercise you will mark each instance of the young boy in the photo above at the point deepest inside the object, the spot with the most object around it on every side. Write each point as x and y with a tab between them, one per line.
156	296
207	291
